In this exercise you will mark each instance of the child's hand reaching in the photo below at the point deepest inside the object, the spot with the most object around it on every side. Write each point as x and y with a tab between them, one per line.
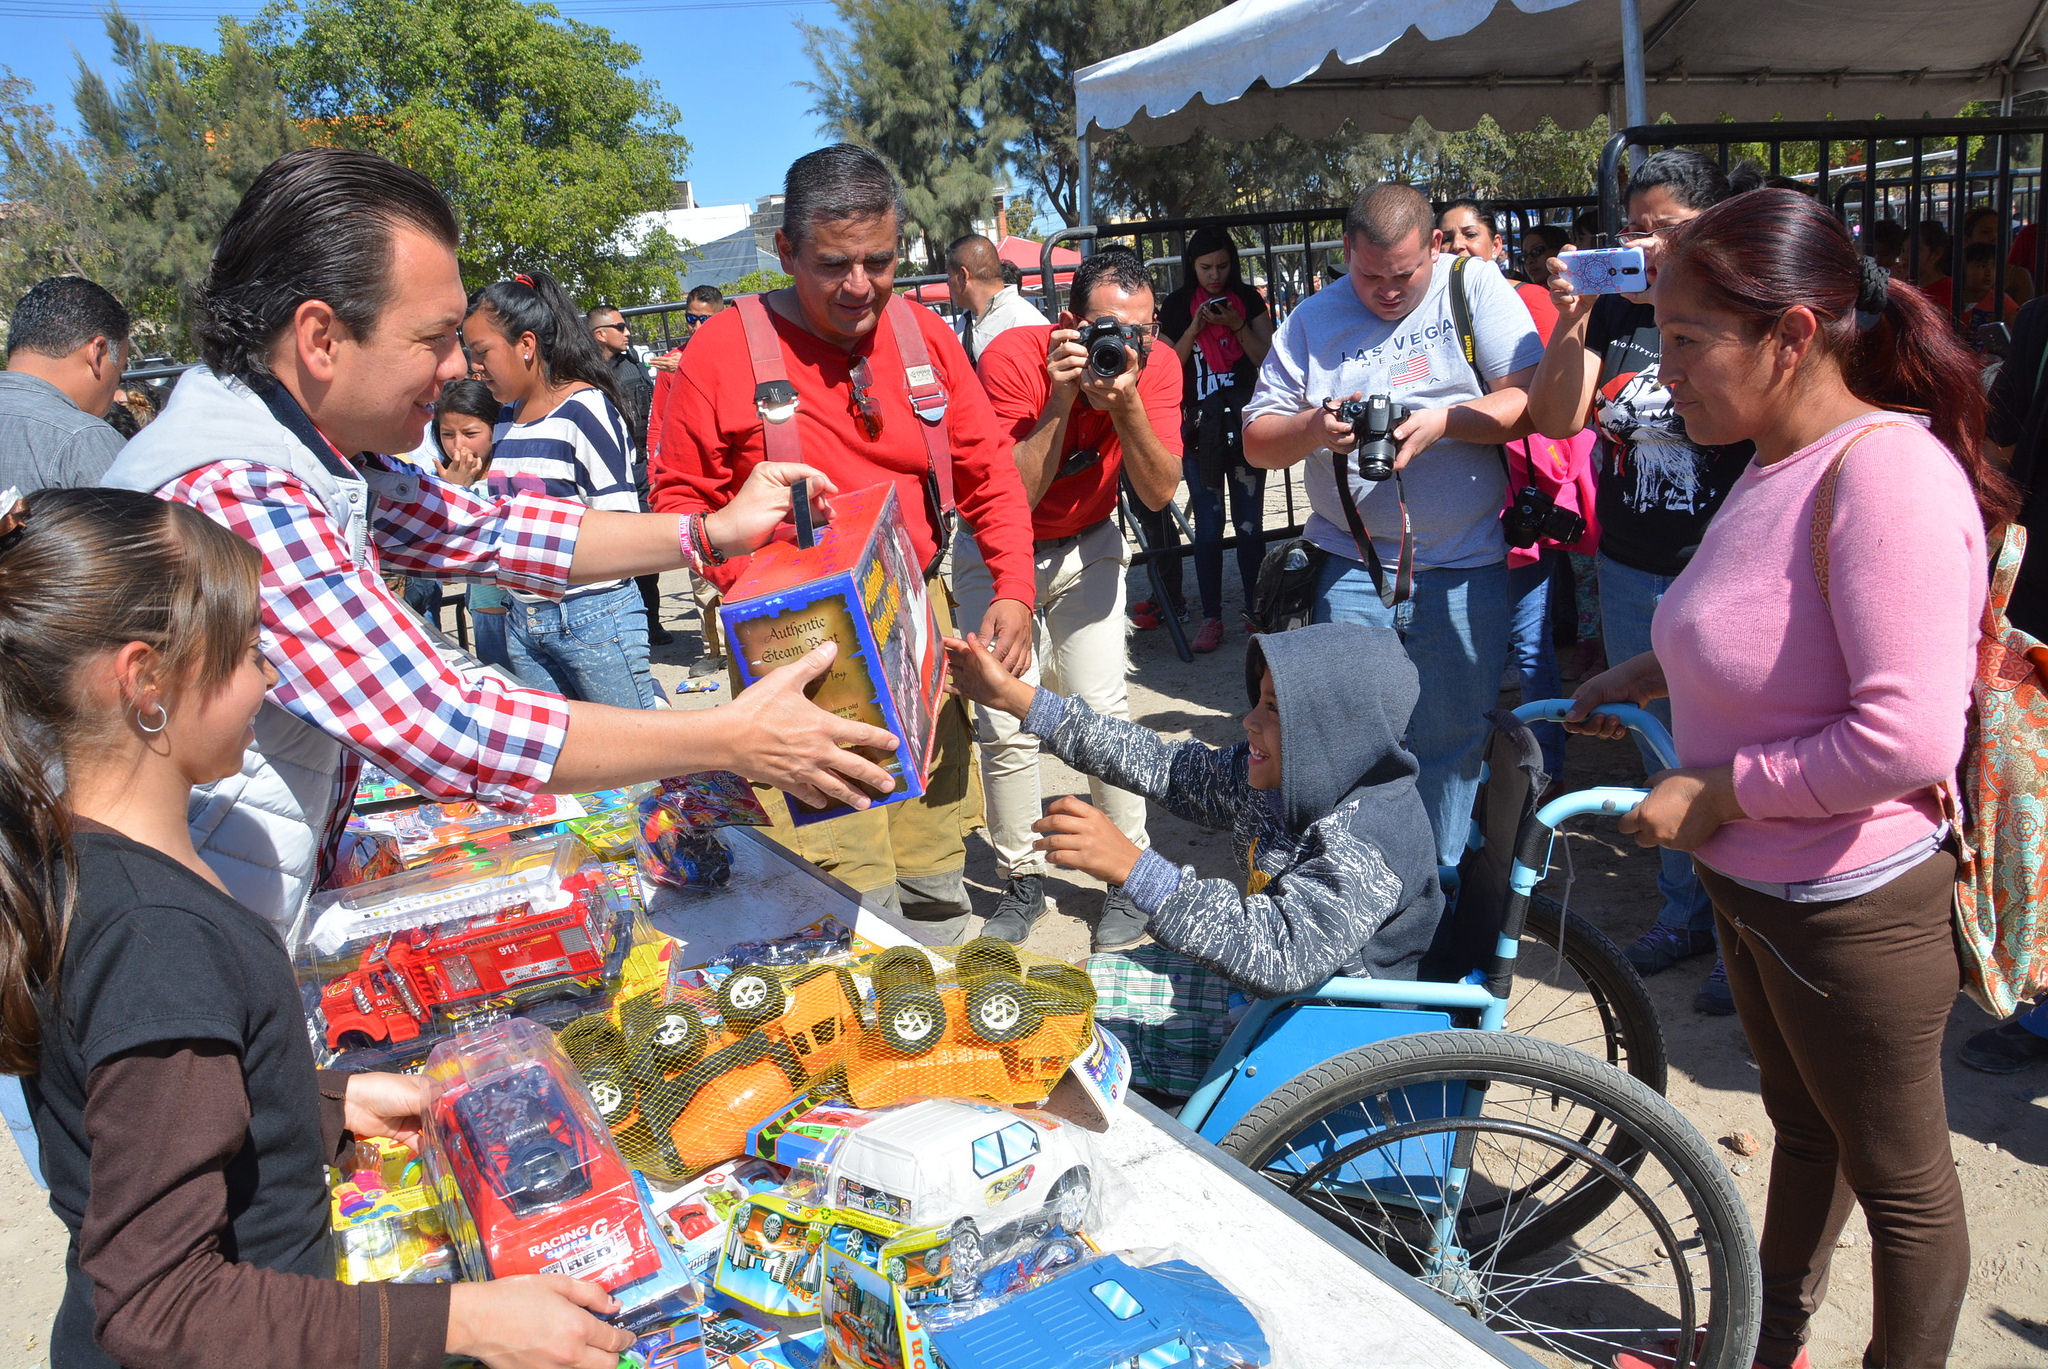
1081	837
977	675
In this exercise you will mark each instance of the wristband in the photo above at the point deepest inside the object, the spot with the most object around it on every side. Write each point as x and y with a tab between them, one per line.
686	539
701	532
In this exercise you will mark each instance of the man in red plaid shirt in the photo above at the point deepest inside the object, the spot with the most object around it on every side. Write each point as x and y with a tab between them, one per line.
329	324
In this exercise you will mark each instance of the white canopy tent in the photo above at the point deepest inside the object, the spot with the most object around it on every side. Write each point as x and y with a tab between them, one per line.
1309	65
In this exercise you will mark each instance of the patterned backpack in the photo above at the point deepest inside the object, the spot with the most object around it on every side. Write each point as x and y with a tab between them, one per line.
1997	800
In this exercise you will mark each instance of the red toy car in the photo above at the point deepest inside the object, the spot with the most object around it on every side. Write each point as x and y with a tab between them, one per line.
541	1189
408	980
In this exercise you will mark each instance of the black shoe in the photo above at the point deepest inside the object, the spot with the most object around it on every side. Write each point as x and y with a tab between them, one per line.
2005	1049
659	636
1715	998
1122	925
1022	902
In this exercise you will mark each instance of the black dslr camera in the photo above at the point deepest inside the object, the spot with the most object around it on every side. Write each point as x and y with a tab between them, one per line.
1373	422
1535	516
1111	346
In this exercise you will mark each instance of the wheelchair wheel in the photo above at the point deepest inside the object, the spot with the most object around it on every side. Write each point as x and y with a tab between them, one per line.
1575	987
1559	1201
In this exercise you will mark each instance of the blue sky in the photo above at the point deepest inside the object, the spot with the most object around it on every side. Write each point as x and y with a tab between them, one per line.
732	69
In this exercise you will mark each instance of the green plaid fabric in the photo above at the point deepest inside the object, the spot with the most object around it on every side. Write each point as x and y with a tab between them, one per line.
1172	1013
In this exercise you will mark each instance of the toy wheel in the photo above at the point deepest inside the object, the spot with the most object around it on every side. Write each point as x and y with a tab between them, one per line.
986	955
749	997
964	1249
771	1225
1577	1249
668	1040
353	1041
902	967
1575	987
611	1092
590	1041
661	1103
911	1021
897	1270
1068	1201
1060	990
999	1010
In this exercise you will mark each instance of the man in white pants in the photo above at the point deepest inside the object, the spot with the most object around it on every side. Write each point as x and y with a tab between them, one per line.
1078	425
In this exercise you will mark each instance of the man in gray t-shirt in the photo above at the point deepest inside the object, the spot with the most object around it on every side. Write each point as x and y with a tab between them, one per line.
67	344
1387	328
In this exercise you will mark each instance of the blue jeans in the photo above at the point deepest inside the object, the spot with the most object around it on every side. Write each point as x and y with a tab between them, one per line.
593	648
423	596
487	634
1530	648
1245	489
1455	629
1628	600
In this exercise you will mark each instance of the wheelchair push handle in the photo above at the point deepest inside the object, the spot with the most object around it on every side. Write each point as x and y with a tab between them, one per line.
1610	802
1640	721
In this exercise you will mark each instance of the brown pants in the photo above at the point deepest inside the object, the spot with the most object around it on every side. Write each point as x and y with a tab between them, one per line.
1844	1005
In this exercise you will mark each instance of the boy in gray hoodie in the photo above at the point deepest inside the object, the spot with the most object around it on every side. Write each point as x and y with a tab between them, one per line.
1320	801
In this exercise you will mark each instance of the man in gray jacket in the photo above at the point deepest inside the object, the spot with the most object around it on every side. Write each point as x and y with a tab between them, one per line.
67	344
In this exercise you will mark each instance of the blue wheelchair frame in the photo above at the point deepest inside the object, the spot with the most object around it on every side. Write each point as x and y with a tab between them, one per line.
1279	1039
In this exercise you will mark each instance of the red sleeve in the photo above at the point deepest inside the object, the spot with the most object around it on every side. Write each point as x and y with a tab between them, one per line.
1542	308
986	485
664	384
1012	371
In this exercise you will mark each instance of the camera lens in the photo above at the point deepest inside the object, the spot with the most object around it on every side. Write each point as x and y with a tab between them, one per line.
1108	357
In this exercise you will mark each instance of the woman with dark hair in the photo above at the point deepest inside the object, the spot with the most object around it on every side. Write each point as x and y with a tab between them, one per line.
465	418
1221	329
1658	487
1818	652
1471	231
562	432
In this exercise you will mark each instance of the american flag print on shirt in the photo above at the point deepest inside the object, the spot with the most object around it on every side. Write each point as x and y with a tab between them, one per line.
1408	372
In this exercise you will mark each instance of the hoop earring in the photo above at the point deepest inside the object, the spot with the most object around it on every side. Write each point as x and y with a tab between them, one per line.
163	720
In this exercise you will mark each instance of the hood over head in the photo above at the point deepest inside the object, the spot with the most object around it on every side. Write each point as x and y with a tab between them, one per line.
1345	691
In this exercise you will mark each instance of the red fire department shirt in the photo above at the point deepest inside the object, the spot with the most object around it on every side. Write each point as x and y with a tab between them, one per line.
1013	373
712	436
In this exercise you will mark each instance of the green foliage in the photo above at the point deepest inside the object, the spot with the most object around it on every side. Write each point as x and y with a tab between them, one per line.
756	283
525	119
137	201
909	78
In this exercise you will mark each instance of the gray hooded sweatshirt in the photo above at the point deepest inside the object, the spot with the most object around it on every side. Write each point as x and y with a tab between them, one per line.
1340	859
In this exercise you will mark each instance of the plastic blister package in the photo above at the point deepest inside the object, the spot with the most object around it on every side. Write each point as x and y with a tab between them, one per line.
422	956
1107	1312
671	853
386	1226
690	1083
526	1176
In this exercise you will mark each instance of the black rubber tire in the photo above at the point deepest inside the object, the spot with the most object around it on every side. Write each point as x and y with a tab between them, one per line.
354	1041
1648	1122
910	1021
902	967
665	1040
987	955
1633	1033
590	1041
999	1010
750	996
611	1090
1060	990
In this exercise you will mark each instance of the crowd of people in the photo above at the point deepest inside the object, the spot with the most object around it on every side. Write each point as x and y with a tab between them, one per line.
1777	462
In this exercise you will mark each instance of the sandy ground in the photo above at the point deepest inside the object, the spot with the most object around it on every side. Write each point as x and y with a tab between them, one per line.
2000	1125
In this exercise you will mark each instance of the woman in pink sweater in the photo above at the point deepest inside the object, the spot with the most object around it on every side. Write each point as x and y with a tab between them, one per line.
1814	721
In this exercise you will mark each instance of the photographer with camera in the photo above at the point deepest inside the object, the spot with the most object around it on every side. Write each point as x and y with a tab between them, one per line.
1086	400
1369	383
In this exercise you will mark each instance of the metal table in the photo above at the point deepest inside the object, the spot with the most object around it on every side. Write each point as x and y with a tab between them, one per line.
1325	1298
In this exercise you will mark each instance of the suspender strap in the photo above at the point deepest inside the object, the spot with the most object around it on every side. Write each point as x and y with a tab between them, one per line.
774	396
928	401
1468	343
1403	584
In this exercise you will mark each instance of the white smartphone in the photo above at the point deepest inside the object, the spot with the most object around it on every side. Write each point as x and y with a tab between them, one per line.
1606	271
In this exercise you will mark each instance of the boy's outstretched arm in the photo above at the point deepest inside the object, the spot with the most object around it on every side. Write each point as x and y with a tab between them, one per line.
1198	783
1332	899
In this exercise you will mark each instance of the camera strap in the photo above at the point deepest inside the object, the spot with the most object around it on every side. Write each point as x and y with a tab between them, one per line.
1403	586
1468	343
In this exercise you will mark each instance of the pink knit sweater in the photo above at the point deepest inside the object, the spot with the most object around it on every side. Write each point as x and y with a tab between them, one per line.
1839	716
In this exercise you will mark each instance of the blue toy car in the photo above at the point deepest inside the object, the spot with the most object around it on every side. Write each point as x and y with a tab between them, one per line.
1107	1314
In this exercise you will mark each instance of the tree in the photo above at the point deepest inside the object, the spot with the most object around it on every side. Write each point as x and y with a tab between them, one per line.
758	282
908	78
526	120
138	201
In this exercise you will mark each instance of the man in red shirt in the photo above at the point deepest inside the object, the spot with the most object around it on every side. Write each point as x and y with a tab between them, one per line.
1076	431
854	420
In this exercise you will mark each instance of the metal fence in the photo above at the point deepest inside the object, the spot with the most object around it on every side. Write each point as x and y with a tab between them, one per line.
1909	171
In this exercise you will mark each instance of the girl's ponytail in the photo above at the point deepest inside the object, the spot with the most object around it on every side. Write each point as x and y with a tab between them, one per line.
82	573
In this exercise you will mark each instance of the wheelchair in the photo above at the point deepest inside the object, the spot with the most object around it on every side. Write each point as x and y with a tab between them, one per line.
1506	1143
